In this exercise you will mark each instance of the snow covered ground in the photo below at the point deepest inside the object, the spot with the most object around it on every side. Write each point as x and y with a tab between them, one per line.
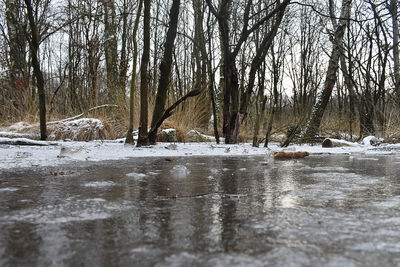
14	156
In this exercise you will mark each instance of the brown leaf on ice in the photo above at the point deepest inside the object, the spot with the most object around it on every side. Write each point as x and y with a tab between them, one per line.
61	172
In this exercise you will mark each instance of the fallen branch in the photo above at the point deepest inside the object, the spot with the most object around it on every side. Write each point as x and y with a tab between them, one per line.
168	113
330	142
22	142
83	114
20	135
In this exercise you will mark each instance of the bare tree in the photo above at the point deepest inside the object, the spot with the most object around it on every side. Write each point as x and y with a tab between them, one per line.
394	9
144	77
232	118
165	68
34	47
18	67
331	74
129	135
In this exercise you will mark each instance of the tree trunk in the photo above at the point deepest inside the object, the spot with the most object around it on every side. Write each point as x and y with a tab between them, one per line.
259	58
396	55
367	118
34	45
123	63
129	135
18	77
317	113
165	68
211	82
231	105
205	63
144	77
260	108
168	112
275	68
347	74
115	90
201	63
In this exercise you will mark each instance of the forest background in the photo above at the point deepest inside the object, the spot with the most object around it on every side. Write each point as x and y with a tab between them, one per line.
243	70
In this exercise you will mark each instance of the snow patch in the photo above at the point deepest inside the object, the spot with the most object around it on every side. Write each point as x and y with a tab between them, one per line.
80	130
73	152
169	131
196	136
22	141
340	142
18	127
371	141
67	152
19	135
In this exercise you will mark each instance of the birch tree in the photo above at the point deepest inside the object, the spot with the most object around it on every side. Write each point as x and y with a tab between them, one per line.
321	103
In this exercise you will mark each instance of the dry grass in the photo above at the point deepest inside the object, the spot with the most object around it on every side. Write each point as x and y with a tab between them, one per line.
180	131
335	125
392	130
193	114
91	129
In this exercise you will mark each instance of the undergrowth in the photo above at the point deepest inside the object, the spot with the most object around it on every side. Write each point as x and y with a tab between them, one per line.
196	113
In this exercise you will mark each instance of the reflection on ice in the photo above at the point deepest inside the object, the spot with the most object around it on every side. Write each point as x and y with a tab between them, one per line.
136	176
324	168
180	171
367	158
320	211
67	211
8	189
214	171
100	184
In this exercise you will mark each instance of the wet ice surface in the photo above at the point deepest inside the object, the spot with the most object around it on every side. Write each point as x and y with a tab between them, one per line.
319	211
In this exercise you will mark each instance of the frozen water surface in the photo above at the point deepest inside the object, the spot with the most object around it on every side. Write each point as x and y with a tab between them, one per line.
180	171
333	210
100	184
137	176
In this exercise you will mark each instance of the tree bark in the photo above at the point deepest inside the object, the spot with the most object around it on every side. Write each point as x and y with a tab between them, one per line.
123	62
168	112
129	135
144	77
34	47
396	54
211	81
18	78
317	113
259	58
276	62
165	67
115	90
261	102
